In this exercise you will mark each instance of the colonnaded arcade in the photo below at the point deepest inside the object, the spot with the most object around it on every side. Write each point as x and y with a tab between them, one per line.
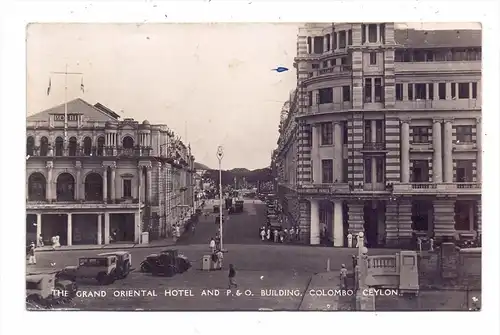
111	180
383	134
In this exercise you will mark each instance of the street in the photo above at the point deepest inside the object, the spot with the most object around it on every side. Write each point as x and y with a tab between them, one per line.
259	265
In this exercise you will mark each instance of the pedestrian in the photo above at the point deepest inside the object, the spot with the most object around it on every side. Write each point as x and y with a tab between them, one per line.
268	234
275	232
285	233
31	254
212	245
292	232
263	235
193	229
177	231
343	277
40	240
297	234
220	257
232	276
282	236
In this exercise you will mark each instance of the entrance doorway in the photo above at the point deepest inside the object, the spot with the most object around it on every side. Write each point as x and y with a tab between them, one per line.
55	225
31	228
121	228
421	216
374	214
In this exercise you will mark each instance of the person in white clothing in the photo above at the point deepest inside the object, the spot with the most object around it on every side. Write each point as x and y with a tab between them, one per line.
268	234
212	245
263	234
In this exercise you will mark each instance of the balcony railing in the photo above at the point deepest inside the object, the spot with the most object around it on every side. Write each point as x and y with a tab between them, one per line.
437	188
323	188
436	67
330	107
333	69
374	146
437	104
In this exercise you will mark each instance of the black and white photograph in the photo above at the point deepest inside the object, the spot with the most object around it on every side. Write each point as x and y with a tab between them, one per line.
349	180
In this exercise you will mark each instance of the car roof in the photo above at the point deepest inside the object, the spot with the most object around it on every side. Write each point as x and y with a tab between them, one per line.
113	253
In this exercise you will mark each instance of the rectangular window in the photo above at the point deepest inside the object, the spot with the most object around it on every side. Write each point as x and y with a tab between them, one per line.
345	133
410	92
379	162
464	171
368	170
379	127
310	98
382	33
346	93
325	95
420	91
379	92
328	40
372	33
318	45
349	37
127	188
420	171
368	89
399	92
464	134
431	91
315	66
368	131
326	133
310	137
453	90
363	33
327	171
343	61
463	90
429	56
442	91
373	58
334	46
474	90
342	39
325	64
420	134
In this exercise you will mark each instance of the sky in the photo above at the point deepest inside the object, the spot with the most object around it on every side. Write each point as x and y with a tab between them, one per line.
210	83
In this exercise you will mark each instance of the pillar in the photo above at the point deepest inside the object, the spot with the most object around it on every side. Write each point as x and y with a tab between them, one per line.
405	152
444	218
367	34
405	231
78	181
99	229
38	227
137	227
315	226
378	33
338	224
312	44
149	184
105	184
373	130
70	230
139	184
106	228
338	147
316	164
355	218
437	167
448	152
48	187
479	165
113	183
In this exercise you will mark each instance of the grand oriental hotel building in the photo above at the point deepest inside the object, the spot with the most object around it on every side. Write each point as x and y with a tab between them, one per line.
382	135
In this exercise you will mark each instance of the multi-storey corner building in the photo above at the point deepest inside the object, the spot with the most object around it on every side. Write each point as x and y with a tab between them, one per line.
383	134
110	181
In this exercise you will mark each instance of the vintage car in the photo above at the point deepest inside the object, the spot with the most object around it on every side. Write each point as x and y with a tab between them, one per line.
104	269
167	262
123	262
41	289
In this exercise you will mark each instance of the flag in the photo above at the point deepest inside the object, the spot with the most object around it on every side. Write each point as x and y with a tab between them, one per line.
82	87
50	84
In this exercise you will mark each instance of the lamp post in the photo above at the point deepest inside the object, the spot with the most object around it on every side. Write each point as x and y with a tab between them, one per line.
220	155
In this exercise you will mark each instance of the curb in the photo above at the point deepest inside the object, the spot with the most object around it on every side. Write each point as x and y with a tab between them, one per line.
138	246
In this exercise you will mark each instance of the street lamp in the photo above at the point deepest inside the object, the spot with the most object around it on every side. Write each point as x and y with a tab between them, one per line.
220	155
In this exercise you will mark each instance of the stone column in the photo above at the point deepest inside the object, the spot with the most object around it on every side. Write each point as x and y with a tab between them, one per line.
137	227
105	183
367	32
312	44
378	33
106	228
437	167
48	187
338	224
444	218
139	183
70	230
405	152
38	228
113	182
315	226
78	181
316	164
338	172
479	145
99	229
355	219
325	44
149	184
448	152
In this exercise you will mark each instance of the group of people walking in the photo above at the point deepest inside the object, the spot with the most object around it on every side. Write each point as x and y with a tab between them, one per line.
279	235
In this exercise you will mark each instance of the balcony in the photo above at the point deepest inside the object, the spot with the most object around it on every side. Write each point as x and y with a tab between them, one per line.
330	107
80	205
436	67
374	146
333	71
421	147
470	188
460	104
323	188
464	146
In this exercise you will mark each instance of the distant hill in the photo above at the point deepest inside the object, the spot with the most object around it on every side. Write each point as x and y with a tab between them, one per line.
199	166
251	176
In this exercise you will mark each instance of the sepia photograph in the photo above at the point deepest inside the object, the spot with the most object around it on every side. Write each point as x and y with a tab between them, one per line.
331	166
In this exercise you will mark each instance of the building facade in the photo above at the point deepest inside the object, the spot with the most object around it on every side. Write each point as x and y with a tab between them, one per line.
110	181
383	134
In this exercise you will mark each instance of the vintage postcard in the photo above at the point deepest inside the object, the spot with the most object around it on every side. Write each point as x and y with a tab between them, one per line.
330	166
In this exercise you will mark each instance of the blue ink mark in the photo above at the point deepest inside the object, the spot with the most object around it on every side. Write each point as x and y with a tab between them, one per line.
280	69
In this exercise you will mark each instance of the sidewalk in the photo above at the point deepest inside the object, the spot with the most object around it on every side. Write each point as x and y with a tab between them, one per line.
324	282
114	246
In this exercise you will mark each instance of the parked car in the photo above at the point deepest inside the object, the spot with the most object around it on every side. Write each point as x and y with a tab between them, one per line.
123	262
40	289
105	269
159	263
